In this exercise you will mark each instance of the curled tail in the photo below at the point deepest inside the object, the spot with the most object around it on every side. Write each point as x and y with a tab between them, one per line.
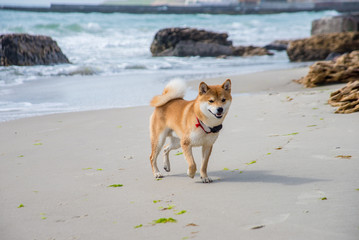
174	89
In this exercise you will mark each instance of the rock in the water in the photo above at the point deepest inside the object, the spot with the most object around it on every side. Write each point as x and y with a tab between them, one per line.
167	39
192	48
278	45
184	42
250	51
346	98
344	69
320	46
28	50
336	24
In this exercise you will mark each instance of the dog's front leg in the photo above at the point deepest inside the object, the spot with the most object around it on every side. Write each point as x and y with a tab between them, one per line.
187	151
206	152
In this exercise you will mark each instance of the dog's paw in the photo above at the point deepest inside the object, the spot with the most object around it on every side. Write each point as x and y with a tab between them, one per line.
190	174
206	180
166	165
167	168
158	175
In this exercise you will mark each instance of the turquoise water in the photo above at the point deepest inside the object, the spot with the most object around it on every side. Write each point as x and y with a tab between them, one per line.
110	49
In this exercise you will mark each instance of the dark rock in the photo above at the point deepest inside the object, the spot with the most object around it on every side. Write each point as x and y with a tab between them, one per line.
169	37
192	48
250	51
28	50
345	23
184	42
278	45
318	47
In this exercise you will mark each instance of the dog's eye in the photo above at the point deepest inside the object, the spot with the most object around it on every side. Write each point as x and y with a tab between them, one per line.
211	101
223	100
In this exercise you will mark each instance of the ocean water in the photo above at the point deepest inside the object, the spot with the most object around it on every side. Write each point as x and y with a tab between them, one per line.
111	64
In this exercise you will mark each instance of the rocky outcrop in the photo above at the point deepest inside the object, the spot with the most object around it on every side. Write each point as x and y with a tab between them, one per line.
167	39
193	48
28	50
182	42
250	51
344	69
336	24
320	46
346	98
278	45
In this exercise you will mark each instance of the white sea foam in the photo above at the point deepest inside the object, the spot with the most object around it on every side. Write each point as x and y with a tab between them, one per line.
14	110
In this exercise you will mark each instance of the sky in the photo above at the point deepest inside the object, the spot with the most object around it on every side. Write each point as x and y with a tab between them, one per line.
47	2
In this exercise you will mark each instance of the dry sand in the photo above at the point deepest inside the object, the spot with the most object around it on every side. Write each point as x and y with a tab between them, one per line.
275	169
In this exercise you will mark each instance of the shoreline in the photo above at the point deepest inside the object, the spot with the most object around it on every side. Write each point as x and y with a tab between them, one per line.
261	82
281	161
247	83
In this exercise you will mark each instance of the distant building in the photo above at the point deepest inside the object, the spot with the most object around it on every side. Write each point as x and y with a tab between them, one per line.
250	1
211	2
220	2
295	1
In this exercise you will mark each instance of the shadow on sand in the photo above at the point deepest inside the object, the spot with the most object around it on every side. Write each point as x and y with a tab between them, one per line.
254	176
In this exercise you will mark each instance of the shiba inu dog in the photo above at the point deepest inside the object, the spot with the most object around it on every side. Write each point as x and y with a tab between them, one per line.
188	124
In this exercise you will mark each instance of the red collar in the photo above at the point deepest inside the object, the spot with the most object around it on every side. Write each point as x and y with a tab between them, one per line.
215	129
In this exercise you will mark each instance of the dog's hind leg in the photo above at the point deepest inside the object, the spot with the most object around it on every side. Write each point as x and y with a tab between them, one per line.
158	134
157	144
174	144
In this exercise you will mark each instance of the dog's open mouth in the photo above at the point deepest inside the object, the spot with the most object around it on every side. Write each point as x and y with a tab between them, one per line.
218	115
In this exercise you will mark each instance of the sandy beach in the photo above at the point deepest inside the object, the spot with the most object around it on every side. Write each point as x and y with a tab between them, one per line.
284	167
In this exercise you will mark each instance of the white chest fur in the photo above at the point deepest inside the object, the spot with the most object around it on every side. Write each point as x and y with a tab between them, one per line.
200	138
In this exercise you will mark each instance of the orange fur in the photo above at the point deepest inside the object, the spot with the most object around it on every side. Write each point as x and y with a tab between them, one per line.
173	115
175	89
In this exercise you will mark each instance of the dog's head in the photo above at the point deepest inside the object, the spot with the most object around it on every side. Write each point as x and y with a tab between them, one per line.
215	100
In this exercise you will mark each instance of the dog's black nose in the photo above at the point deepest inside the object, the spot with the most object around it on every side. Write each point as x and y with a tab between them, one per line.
219	110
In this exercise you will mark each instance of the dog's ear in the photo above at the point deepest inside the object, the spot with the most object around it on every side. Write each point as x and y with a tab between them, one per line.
203	88
227	85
